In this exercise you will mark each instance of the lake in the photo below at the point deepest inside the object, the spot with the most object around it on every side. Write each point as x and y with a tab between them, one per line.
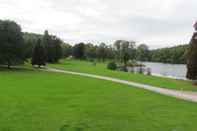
177	71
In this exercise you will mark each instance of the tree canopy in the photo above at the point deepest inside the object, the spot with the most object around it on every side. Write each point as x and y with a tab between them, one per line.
192	59
11	43
39	54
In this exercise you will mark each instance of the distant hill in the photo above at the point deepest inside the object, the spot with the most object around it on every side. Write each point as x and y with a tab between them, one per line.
174	55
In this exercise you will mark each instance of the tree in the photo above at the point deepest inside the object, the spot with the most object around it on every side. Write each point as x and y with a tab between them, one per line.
57	49
125	50
142	53
101	51
192	58
117	46
53	47
125	56
30	40
79	51
39	55
11	43
90	51
47	44
66	50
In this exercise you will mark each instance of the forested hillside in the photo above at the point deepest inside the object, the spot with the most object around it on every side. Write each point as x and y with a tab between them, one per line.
174	55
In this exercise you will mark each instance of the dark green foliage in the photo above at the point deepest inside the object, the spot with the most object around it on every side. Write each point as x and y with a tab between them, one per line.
53	47
173	55
57	49
30	40
101	52
11	43
124	50
112	66
79	51
39	54
192	58
90	51
142	53
66	50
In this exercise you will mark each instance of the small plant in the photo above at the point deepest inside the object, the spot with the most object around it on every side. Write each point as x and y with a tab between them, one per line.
112	66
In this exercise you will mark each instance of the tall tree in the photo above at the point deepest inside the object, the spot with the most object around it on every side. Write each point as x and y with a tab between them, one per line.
90	51
56	50
53	47
79	51
102	52
117	47
66	50
39	55
11	44
142	52
30	40
125	50
192	58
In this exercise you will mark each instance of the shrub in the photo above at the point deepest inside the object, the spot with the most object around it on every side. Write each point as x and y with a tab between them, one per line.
112	66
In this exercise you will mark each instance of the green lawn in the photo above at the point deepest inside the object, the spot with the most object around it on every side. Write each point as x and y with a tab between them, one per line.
42	101
100	69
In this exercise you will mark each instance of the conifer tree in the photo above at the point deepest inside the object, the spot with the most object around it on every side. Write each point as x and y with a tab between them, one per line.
39	54
192	59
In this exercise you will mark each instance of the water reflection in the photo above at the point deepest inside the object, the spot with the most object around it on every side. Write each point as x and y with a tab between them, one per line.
177	71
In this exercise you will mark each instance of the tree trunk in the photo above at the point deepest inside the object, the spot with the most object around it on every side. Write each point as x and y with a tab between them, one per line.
9	67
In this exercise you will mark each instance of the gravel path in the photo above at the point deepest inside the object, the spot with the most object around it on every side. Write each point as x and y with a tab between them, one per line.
185	95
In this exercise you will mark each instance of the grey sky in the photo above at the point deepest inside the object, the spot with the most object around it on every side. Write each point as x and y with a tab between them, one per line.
154	22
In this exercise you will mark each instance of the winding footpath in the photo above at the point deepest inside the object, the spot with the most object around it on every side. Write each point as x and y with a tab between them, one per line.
185	95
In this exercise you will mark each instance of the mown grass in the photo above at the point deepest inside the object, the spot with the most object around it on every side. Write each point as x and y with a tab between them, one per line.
42	101
100	69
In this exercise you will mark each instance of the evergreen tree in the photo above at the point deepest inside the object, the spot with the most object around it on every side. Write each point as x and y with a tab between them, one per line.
53	47
79	51
11	44
39	54
57	49
102	52
192	59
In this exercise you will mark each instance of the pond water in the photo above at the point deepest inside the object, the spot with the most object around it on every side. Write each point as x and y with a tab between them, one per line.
177	71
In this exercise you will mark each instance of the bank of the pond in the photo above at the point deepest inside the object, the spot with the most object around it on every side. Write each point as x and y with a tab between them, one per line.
176	71
100	69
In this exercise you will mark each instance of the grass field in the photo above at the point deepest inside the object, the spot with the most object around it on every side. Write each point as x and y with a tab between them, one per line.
42	101
100	69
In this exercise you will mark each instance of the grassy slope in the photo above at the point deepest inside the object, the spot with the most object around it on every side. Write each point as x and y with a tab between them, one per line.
100	69
41	101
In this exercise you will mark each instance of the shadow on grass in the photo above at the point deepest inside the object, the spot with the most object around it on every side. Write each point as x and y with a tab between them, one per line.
15	69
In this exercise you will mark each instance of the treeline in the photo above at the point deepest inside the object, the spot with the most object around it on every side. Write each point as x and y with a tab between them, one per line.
122	49
173	55
17	47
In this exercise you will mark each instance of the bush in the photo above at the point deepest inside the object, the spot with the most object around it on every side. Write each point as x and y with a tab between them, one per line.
112	66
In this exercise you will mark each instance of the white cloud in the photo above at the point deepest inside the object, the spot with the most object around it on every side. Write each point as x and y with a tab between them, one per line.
155	22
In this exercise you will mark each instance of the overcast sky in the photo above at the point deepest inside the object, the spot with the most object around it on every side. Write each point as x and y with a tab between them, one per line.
158	23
